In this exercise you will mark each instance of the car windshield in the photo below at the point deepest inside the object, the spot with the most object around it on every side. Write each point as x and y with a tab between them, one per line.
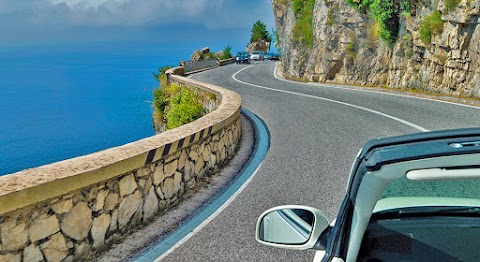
404	193
417	220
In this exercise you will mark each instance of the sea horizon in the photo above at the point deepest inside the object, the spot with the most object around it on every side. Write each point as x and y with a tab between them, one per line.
62	101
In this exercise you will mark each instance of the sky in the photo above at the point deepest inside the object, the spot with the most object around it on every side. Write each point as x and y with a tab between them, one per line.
37	23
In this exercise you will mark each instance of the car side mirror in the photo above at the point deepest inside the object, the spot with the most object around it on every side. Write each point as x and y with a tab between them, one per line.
291	227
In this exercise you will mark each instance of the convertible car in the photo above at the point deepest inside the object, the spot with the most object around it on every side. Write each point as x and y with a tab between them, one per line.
409	198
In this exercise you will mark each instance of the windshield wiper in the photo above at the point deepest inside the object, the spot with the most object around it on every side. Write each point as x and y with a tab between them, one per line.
428	211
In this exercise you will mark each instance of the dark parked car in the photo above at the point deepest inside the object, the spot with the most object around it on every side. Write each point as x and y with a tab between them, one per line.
242	57
409	198
275	56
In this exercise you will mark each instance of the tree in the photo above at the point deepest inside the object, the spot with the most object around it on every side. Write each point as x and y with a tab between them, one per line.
259	32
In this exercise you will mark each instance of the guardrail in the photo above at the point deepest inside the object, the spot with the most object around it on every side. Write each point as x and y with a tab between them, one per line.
194	66
68	209
201	64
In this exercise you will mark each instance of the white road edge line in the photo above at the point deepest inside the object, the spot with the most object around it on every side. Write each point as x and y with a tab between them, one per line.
369	91
330	100
211	217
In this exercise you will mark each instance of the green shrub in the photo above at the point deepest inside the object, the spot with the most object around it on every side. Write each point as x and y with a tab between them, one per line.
405	7
362	5
227	52
303	29
431	24
184	108
171	90
383	11
159	99
330	18
450	5
350	47
161	73
210	55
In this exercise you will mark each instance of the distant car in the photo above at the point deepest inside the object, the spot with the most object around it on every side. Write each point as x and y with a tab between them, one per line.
275	56
257	56
409	198
242	57
268	56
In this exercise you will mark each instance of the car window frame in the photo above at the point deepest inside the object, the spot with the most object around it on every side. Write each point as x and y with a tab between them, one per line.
370	159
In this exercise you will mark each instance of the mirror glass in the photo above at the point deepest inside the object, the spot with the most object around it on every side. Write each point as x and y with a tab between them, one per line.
286	226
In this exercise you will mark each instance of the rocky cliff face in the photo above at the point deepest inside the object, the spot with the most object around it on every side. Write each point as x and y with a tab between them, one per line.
346	48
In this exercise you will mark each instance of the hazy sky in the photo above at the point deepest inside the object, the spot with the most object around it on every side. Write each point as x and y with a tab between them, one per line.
37	22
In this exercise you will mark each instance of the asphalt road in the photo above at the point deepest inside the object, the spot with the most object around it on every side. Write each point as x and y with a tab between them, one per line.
316	131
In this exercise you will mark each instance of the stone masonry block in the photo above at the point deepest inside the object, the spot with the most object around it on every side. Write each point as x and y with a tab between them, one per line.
128	207
63	206
158	175
168	188
182	160
170	168
150	206
14	238
114	221
55	249
43	227
177	181
78	222
99	229
32	253
100	200
127	185
199	166
111	201
193	155
11	257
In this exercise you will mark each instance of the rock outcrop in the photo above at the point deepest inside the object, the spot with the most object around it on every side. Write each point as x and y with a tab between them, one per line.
261	45
199	54
347	50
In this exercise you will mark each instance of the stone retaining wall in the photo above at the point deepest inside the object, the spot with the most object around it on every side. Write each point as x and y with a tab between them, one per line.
67	210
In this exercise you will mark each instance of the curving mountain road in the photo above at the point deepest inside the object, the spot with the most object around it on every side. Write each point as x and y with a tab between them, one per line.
316	131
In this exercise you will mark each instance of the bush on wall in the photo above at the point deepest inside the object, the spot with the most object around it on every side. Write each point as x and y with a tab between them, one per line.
176	105
431	24
303	29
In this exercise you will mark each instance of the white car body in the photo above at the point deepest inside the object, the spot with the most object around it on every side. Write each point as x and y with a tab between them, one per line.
257	56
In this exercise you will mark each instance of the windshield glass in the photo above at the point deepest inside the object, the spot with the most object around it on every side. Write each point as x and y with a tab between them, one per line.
443	188
403	193
424	221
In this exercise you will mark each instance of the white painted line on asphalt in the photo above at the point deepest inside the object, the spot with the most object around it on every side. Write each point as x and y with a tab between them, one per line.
210	218
369	91
330	100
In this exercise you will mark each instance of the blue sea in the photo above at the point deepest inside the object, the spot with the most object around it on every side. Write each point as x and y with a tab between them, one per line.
59	102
